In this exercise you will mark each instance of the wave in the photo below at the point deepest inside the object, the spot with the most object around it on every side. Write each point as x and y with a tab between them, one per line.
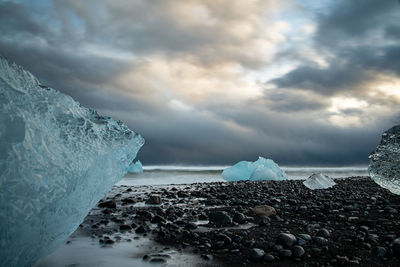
184	168
179	168
177	174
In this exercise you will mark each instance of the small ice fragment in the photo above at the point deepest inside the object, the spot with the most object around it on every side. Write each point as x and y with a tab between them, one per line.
384	167
262	169
319	181
135	167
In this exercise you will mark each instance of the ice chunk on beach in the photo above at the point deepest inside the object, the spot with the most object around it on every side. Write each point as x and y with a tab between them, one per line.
240	171
57	160
384	167
262	169
319	181
267	169
136	167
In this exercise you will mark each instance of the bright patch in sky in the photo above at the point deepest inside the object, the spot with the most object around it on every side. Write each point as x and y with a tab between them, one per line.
390	87
340	104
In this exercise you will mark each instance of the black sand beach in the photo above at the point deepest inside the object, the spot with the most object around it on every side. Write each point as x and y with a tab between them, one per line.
354	223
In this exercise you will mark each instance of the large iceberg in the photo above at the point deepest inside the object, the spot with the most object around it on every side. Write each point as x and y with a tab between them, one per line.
135	167
319	181
384	167
57	160
262	169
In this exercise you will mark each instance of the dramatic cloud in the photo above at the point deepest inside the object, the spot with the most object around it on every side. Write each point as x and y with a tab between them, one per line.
217	81
360	71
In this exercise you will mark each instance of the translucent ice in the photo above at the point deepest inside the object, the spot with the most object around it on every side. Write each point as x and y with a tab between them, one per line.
384	167
136	167
319	181
57	160
262	169
240	171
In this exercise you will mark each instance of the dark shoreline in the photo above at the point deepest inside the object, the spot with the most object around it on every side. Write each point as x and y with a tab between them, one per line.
354	223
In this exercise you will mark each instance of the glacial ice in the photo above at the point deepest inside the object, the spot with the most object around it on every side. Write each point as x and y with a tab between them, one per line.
319	181
57	160
384	167
135	167
262	169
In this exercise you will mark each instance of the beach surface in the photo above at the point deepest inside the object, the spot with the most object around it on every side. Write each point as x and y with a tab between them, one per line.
279	223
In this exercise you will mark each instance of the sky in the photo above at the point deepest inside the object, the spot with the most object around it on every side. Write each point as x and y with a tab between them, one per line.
304	82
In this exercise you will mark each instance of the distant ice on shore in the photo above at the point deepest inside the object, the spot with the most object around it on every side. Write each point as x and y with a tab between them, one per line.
319	181
384	166
135	167
262	169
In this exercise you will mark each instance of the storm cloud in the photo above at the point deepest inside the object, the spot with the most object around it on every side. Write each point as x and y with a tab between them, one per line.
214	82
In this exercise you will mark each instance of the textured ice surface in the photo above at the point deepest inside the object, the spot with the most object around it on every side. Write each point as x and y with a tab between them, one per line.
57	160
384	167
136	167
262	169
319	181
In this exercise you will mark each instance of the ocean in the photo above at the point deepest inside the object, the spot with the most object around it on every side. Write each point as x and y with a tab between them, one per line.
170	174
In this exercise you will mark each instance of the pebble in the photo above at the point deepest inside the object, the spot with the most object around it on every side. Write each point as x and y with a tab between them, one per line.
298	251
285	253
141	229
303	208
264	210
268	257
157	219
124	227
154	199
396	247
305	237
191	226
320	240
107	204
207	257
256	254
158	260
239	217
182	194
301	241
378	251
316	251
220	218
109	241
287	240
323	233
264	221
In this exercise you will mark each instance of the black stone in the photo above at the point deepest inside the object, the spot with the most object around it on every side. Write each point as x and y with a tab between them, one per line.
220	218
298	251
323	233
285	253
154	199
125	227
396	247
141	229
107	204
256	254
269	257
378	251
286	240
239	217
320	240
